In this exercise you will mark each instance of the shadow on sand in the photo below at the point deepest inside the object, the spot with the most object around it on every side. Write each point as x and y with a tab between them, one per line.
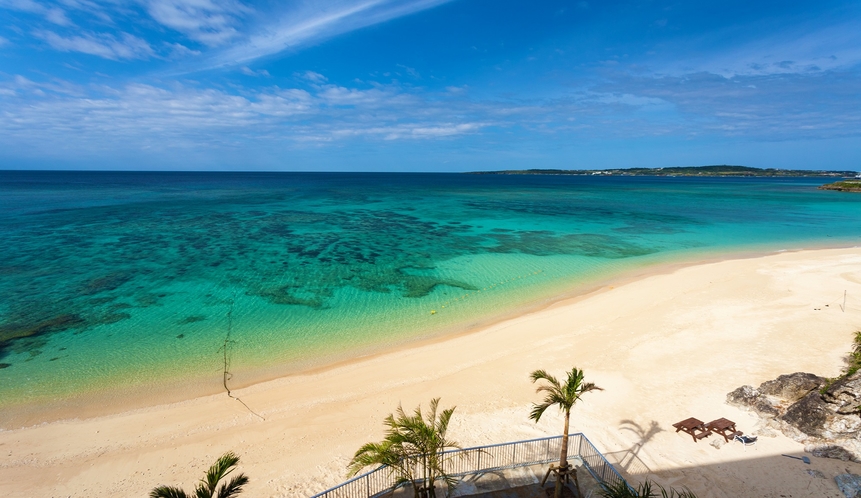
755	471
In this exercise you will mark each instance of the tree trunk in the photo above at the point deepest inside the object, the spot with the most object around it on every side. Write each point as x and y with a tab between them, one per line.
563	458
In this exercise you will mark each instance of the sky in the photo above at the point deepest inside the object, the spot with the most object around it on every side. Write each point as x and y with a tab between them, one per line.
428	85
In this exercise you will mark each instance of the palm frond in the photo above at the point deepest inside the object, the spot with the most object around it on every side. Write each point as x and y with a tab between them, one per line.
622	490
218	471
167	492
234	487
543	375
538	410
444	419
619	490
383	453
431	417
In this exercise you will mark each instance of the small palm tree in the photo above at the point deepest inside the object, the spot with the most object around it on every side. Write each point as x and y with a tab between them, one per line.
414	444
564	396
207	486
622	490
391	454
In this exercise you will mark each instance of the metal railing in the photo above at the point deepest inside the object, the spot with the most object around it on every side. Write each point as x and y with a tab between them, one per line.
483	459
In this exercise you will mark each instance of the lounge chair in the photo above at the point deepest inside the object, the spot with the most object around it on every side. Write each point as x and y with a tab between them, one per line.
746	440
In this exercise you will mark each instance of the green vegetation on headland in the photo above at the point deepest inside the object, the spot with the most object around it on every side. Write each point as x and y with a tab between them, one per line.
717	171
844	186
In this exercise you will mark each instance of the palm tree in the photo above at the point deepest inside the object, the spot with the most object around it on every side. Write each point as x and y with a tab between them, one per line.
390	454
413	450
622	490
564	396
207	486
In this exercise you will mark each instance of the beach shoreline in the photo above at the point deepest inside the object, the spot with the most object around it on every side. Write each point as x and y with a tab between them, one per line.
118	400
665	346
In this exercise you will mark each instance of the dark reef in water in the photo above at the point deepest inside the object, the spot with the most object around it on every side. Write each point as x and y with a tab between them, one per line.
103	262
296	240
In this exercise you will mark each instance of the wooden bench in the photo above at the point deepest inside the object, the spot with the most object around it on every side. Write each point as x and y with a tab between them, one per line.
724	427
693	427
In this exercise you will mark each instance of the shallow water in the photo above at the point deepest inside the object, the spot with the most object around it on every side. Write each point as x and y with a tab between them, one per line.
117	280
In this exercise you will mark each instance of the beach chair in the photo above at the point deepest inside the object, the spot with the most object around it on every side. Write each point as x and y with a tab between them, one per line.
746	440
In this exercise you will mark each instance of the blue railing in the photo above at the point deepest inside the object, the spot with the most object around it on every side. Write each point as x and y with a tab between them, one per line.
483	459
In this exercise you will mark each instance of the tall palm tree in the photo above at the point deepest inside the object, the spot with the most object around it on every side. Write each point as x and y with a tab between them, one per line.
207	486
564	396
412	449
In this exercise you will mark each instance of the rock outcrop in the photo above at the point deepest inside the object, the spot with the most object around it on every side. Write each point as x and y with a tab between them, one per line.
849	484
827	422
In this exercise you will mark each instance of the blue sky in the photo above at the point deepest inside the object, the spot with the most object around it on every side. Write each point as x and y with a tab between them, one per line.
428	85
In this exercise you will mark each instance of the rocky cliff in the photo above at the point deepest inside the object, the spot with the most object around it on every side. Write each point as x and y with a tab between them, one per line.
826	421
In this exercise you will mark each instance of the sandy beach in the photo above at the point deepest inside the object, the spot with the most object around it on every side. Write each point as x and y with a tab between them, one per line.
664	347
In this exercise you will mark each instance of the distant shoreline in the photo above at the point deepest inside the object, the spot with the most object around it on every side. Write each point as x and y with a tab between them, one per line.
843	186
718	171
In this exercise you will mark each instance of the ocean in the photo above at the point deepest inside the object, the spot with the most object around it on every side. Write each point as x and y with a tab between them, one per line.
119	284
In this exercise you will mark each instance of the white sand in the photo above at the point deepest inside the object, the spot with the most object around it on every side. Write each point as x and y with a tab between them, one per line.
664	347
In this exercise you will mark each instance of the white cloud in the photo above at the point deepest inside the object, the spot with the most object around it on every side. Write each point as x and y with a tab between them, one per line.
314	21
334	95
23	6
53	14
234	33
630	100
57	16
409	131
250	72
100	44
792	51
411	71
211	22
180	51
3	41
182	116
314	77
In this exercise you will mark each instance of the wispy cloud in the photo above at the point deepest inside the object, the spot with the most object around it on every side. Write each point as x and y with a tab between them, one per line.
251	72
100	44
791	51
186	116
312	22
770	107
230	32
180	51
315	111
313	77
211	22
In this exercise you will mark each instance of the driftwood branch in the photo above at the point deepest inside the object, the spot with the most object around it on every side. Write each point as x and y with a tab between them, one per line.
226	375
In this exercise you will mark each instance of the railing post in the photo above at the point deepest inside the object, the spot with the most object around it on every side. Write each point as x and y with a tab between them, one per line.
368	486
580	449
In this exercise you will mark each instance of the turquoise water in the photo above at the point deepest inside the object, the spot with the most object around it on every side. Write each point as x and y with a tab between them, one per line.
117	281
